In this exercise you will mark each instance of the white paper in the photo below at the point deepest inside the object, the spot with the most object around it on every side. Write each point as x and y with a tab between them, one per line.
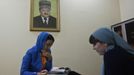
57	70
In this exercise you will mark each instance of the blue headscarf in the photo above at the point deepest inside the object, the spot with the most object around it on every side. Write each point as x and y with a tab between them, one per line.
31	63
108	36
40	40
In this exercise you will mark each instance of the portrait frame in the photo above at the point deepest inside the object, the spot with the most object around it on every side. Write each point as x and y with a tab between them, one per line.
126	30
35	12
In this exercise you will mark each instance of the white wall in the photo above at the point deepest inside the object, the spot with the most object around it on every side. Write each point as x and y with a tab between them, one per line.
79	18
127	9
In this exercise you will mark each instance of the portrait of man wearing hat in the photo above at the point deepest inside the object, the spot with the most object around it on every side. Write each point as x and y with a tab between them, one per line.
44	20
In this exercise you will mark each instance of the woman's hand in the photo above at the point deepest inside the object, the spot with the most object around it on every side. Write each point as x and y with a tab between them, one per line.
42	72
48	55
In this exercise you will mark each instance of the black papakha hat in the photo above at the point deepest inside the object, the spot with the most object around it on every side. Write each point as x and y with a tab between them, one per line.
44	3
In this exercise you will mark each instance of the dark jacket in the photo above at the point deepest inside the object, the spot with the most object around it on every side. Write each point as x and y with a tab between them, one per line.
118	62
38	23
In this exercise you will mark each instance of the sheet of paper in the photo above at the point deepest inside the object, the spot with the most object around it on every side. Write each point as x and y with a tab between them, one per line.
57	70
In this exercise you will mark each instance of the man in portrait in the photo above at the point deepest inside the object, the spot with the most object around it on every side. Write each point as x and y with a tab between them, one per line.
44	20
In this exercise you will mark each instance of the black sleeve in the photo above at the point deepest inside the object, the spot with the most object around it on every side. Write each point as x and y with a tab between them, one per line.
114	62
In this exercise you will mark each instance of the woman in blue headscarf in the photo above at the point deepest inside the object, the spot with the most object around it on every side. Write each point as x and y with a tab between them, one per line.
38	59
118	55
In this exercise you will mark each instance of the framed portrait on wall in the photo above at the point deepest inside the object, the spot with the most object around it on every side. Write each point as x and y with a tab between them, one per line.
45	15
126	30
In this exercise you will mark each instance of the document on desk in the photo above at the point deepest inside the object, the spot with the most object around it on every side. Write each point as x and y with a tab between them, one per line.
57	70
